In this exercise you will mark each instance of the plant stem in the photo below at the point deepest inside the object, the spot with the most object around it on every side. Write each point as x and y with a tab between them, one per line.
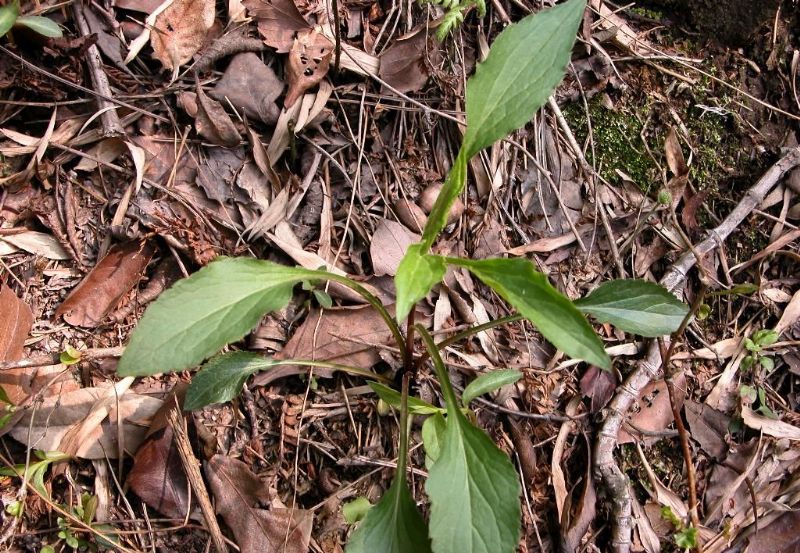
441	372
475	330
268	363
402	454
409	356
379	307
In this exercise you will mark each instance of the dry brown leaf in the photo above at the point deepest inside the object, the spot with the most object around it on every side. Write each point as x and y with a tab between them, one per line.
708	427
143	6
677	164
347	336
403	64
237	493
791	314
250	86
780	536
655	413
213	122
309	61
38	243
16	320
768	426
106	284
278	22
662	494
389	244
180	31
46	425
157	475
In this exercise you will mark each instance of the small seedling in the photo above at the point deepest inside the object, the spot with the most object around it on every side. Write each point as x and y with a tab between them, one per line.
472	486
755	345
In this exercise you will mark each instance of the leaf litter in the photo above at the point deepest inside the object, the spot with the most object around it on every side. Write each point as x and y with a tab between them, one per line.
233	155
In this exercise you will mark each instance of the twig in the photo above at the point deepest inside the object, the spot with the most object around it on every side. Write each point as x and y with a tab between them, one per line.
192	467
607	471
108	112
55	358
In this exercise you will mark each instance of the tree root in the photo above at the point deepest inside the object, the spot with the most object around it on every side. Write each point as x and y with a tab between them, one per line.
607	471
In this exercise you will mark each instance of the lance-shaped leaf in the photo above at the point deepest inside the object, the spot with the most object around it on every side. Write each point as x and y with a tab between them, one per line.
535	298
489	382
453	186
635	306
197	316
42	25
417	274
8	15
222	378
416	406
473	487
524	65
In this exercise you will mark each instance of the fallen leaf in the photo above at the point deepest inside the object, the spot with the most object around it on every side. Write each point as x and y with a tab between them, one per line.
250	86
790	315
655	412
403	64
780	536
180	31
143	6
770	427
309	61
708	428
106	284
237	493
599	385
46	425
213	122
347	336
278	22
16	320
389	244
674	153
157	475
38	243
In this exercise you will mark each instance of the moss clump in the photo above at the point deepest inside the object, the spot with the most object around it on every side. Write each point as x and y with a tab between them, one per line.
617	141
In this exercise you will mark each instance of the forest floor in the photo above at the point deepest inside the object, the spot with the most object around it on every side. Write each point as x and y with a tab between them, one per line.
119	177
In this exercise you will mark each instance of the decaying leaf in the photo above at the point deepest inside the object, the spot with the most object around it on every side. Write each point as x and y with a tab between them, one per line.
309	61
677	164
237	493
180	31
346	336
213	122
37	243
16	320
403	64
708	427
655	413
106	284
770	427
389	244
157	475
278	22
50	422
250	86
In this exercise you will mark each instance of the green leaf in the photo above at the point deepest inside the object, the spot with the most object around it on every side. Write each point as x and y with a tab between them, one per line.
432	435
42	25
767	363
4	397
393	525
474	492
686	538
453	186
356	510
525	64
70	355
765	337
199	315
489	382
473	487
635	306
535	298
417	274
8	15
416	406
222	378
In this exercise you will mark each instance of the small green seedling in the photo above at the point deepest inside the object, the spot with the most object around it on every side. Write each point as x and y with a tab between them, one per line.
472	486
755	345
685	536
34	473
8	408
10	17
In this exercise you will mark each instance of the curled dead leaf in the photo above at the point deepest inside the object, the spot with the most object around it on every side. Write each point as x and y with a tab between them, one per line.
106	284
278	22
309	61
213	122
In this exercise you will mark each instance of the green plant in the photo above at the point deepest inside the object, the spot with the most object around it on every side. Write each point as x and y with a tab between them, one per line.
684	536
472	486
34	472
755	345
454	15
9	17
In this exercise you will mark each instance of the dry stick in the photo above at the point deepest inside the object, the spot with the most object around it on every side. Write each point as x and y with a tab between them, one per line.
109	117
606	469
192	467
55	358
